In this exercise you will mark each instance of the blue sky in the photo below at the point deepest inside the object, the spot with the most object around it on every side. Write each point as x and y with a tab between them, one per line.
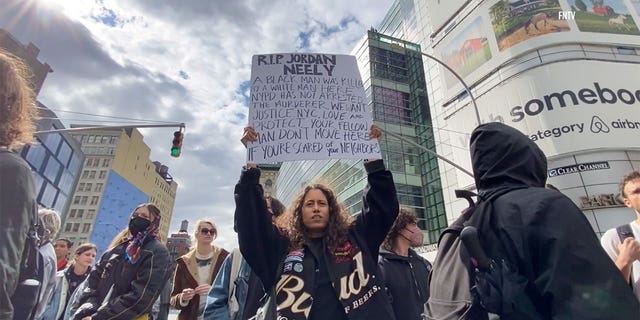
182	61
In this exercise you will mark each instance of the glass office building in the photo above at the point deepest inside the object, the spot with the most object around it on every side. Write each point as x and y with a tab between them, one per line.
394	81
56	160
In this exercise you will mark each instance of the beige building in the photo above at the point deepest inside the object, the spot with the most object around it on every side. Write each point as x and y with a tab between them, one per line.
117	175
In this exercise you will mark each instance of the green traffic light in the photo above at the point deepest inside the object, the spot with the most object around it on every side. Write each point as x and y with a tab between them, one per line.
175	152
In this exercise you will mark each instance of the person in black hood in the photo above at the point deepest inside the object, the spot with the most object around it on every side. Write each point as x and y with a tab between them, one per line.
405	272
542	233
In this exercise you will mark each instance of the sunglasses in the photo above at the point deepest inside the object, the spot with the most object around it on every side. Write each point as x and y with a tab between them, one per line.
207	231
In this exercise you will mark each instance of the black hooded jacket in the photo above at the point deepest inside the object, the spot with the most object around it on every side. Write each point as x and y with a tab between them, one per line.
352	267
406	280
542	232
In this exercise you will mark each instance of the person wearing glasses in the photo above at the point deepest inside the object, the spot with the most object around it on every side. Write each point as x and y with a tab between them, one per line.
196	271
130	275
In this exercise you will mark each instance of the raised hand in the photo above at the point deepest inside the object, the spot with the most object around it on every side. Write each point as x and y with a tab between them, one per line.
249	134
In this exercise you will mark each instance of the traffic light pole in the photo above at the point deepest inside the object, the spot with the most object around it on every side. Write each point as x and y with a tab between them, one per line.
180	125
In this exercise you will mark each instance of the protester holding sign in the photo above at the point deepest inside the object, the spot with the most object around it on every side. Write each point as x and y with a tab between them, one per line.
323	265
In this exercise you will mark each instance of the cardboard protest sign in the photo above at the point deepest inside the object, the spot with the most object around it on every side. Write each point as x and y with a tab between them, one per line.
308	107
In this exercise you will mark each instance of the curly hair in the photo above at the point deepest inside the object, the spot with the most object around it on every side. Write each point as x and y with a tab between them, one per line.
277	208
17	102
626	179
337	228
405	217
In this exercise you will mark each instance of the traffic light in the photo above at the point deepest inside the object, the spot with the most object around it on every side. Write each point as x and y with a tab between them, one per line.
177	144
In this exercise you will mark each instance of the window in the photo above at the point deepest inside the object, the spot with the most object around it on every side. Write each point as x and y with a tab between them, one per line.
76	227
91	214
89	162
67	227
65	153
81	186
99	187
106	163
36	155
88	187
72	214
52	141
83	200
85	174
91	139
80	213
92	174
105	139
76	199
94	200
74	164
52	170
103	174
86	227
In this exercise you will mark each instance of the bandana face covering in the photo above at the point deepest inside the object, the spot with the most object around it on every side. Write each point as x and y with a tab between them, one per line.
140	229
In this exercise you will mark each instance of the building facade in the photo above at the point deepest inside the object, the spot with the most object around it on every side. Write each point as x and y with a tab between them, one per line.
179	243
268	178
28	53
563	72
393	77
117	175
55	158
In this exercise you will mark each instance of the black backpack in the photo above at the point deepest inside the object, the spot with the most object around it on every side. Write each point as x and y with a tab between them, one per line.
27	294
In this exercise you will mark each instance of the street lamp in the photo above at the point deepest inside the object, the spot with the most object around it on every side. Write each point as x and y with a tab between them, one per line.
466	87
475	107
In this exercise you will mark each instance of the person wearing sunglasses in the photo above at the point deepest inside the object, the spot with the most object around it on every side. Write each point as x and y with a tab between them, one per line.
196	271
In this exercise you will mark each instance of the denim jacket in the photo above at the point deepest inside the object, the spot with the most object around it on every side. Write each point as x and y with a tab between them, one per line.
56	305
218	299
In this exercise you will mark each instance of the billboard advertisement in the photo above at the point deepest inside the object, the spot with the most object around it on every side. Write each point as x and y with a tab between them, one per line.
498	31
444	9
564	108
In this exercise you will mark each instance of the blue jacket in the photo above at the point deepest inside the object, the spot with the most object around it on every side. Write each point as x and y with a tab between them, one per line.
217	307
56	305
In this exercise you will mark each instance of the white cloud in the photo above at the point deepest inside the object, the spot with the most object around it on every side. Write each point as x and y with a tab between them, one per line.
131	57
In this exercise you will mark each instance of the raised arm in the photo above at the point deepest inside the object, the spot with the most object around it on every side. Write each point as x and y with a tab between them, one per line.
379	206
262	244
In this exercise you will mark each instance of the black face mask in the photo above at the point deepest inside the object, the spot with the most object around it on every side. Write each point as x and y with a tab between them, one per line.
138	224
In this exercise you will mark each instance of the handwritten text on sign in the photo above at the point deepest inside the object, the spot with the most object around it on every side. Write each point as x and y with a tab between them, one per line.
308	106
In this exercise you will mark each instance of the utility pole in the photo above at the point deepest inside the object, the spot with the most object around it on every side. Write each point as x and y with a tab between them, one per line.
77	128
176	148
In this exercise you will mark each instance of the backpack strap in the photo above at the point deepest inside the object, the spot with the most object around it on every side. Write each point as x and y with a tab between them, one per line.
233	276
235	268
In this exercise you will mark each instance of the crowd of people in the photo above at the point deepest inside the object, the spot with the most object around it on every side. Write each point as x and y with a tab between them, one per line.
311	260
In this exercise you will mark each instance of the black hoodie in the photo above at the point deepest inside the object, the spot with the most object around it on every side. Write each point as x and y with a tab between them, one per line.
406	280
543	233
